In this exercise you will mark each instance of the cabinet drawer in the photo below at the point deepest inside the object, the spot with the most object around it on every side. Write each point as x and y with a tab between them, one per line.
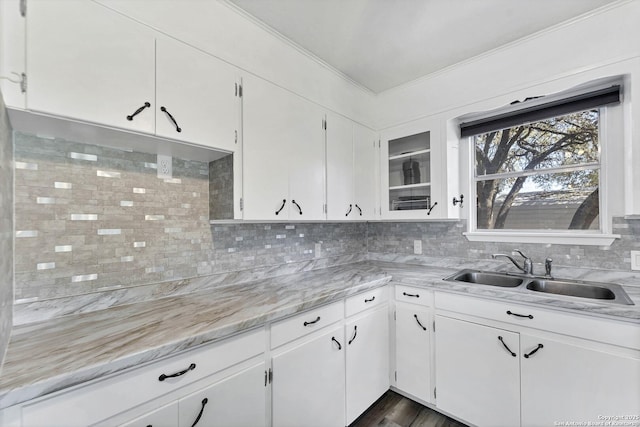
302	324
102	399
583	326
365	300
414	295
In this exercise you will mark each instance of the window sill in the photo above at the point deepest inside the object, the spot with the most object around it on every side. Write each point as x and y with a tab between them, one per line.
587	239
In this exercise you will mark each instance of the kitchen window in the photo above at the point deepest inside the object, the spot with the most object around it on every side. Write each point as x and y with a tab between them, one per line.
537	168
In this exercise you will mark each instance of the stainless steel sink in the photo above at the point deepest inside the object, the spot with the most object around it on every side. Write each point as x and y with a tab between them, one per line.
486	278
574	288
603	292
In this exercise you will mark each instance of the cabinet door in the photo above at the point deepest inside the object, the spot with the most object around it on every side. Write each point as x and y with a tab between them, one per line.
477	377
200	92
340	171
308	383
365	169
89	63
568	382
237	401
166	416
367	360
413	350
406	157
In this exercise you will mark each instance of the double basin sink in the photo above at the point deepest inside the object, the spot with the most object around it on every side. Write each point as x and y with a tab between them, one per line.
603	292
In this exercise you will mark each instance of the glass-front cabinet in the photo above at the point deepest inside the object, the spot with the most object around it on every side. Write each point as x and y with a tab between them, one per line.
413	172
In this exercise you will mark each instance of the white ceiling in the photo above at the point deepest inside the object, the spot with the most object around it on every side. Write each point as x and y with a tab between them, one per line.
384	43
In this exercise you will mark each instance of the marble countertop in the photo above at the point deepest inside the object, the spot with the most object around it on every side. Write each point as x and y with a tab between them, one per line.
46	357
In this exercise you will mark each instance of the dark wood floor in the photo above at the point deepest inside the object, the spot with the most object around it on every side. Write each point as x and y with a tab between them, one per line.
394	410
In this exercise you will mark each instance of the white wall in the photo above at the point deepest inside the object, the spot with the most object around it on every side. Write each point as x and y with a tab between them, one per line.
579	45
214	27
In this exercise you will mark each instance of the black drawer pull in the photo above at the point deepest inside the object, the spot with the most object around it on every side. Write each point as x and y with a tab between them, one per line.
370	299
284	201
355	334
177	374
505	346
297	205
532	352
204	402
312	322
349	211
510	313
359	209
418	320
138	111
164	110
411	295
336	341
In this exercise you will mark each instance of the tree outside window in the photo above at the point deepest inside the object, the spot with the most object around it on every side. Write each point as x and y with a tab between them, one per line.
540	176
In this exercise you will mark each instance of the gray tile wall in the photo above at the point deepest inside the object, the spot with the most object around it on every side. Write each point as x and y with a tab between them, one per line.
91	218
445	239
6	230
221	188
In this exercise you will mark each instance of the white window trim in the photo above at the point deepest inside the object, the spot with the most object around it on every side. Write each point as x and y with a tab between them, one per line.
602	237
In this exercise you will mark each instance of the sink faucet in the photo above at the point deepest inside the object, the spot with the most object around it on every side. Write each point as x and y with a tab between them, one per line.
547	267
527	265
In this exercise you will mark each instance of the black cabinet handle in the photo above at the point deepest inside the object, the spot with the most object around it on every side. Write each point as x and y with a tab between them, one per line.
431	208
359	209
355	334
164	110
312	322
411	295
349	211
510	313
204	402
532	352
297	205
418	320
138	111
177	374
370	299
505	346
336	341
284	201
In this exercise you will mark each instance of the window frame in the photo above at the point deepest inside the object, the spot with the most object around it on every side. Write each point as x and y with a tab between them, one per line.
601	237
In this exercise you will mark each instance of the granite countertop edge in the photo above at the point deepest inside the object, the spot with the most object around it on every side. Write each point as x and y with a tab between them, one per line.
358	277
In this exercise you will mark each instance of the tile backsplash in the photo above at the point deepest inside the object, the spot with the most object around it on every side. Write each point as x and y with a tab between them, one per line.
6	229
445	239
91	218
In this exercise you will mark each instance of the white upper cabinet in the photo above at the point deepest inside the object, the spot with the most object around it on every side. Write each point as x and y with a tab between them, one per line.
199	92
415	166
366	172
351	171
86	62
283	143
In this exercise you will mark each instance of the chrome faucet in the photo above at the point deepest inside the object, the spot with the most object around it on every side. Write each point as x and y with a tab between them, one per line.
547	267
527	265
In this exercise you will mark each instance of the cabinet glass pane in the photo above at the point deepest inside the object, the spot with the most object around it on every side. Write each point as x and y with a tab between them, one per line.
410	172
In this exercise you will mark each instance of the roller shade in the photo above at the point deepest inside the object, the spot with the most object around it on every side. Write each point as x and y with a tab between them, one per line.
541	111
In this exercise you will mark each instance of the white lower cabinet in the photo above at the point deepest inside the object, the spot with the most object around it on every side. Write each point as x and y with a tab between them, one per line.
524	366
237	401
165	416
577	381
308	382
413	350
367	360
477	373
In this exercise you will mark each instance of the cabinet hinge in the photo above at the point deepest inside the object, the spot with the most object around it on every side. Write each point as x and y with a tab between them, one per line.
240	91
434	326
395	373
324	208
434	393
270	375
379	144
23	83
394	316
23	8
265	377
241	204
236	89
